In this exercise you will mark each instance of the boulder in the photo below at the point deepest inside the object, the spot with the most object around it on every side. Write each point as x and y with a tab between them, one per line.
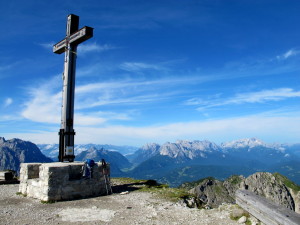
211	192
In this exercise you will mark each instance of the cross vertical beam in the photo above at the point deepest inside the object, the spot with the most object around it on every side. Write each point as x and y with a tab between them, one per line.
69	45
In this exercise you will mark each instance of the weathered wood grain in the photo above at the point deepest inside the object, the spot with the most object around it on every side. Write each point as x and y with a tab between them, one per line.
265	210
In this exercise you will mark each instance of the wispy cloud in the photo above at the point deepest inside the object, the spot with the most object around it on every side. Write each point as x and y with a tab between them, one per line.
288	54
130	91
7	102
44	106
265	127
47	46
242	98
94	47
139	66
10	117
5	68
83	48
264	96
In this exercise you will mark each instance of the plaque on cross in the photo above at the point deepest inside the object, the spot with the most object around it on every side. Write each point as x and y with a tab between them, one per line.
69	45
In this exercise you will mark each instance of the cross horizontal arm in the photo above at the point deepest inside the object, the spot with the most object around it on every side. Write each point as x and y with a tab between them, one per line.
76	38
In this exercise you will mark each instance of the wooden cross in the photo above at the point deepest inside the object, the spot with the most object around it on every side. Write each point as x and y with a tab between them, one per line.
69	45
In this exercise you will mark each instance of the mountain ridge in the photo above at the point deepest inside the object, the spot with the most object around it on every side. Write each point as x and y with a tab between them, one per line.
248	155
200	158
15	151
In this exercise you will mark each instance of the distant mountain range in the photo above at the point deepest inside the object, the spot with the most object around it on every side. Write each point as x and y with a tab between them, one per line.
15	151
117	161
184	161
51	150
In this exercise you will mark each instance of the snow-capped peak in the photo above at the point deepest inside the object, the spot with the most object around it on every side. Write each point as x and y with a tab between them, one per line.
188	149
244	143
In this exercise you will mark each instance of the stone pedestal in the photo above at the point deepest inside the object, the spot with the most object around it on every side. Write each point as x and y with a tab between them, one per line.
62	181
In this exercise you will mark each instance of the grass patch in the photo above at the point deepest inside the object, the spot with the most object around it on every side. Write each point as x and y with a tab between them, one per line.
190	185
246	214
126	180
164	191
20	193
235	179
48	202
218	190
172	194
287	182
151	186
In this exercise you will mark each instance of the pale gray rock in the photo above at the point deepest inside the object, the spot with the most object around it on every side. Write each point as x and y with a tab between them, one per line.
237	212
266	185
188	149
243	219
212	192
232	184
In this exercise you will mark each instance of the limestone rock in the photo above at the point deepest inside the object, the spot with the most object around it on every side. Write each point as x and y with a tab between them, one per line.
274	187
237	213
243	219
212	192
266	184
233	183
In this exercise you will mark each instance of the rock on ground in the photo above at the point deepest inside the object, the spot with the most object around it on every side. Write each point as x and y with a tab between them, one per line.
133	208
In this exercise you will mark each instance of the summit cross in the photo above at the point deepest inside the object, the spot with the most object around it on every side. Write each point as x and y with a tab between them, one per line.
69	45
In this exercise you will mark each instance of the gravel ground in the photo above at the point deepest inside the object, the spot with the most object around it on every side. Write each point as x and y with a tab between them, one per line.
132	208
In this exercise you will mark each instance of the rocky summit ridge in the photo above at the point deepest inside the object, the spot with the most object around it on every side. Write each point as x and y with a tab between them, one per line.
275	187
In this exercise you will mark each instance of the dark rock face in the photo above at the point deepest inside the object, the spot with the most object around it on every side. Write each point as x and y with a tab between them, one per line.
212	192
15	151
116	160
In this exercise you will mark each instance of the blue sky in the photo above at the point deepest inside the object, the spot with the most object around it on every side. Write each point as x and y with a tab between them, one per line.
155	71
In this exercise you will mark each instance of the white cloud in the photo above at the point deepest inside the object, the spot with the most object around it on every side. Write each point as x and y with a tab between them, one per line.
10	117
264	96
83	48
280	128
139	66
250	97
47	46
8	102
288	54
127	92
88	120
44	106
94	47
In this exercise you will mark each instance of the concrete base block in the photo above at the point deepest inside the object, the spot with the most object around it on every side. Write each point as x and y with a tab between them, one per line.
62	181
